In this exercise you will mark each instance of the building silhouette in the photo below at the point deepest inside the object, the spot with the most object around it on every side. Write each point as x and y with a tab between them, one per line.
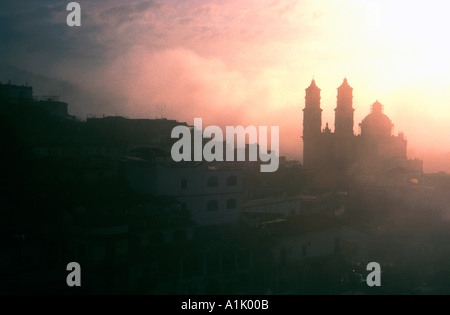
342	152
13	95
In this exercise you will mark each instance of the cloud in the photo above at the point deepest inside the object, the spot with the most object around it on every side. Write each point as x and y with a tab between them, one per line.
126	13
185	85
81	100
231	62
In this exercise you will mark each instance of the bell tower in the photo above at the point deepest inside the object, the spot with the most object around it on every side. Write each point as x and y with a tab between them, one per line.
312	124
312	113
343	123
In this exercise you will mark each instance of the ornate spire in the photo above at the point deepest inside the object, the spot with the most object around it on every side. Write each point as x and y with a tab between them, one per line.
312	96
345	85
312	86
377	107
344	95
343	119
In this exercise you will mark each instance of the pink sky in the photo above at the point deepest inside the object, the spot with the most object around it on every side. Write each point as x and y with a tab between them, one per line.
248	62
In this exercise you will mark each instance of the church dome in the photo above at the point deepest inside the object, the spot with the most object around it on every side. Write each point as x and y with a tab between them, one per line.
376	123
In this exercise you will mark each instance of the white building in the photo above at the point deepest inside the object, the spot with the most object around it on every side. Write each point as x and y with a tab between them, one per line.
289	205
314	236
213	195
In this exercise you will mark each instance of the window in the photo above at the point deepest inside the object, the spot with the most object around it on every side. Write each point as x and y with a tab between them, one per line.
337	245
110	251
232	180
213	181
156	238
183	183
231	204
81	250
283	256
212	205
180	235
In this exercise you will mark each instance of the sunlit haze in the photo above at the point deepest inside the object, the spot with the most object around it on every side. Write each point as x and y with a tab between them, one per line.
245	62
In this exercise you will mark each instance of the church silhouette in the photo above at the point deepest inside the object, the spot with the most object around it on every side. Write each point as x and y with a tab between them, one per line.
342	152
